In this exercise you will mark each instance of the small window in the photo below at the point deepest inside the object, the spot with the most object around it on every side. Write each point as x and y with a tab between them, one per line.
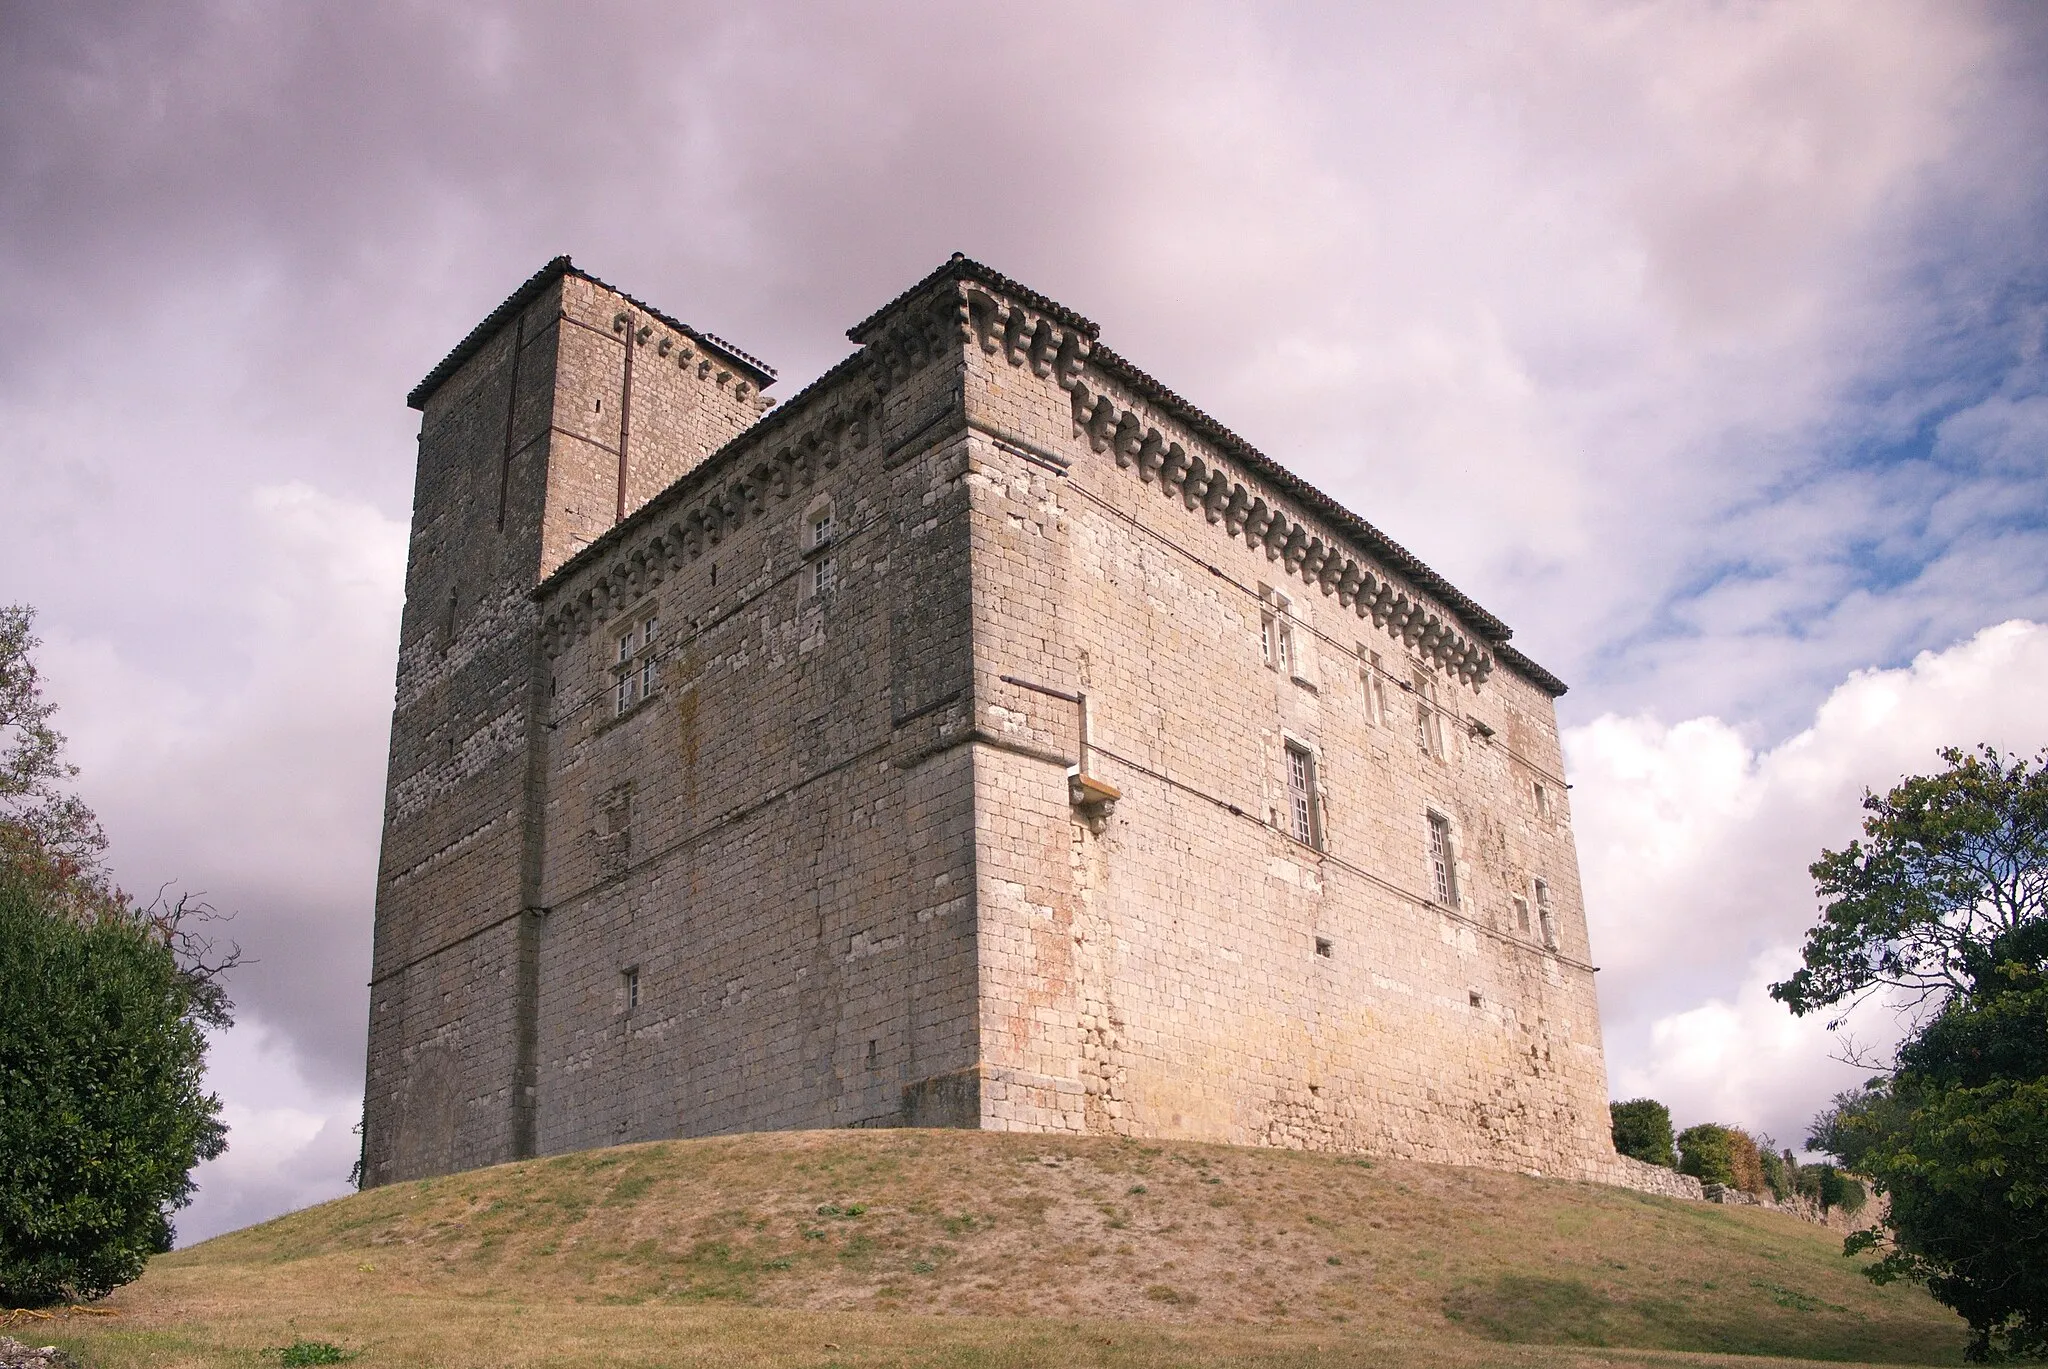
624	694
1374	677
1546	915
1521	914
1301	795
1276	630
1443	871
1542	792
625	648
874	1052
1429	732
1477	1000
649	630
824	576
647	677
821	527
1325	947
629	980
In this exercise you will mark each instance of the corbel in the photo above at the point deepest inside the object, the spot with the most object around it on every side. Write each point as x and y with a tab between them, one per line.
1348	583
1044	340
1101	424
1129	437
1150	456
1256	519
1015	344
1174	469
1294	551
1277	531
1073	353
1236	502
1194	483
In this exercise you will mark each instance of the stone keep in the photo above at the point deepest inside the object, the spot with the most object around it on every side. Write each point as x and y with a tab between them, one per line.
985	737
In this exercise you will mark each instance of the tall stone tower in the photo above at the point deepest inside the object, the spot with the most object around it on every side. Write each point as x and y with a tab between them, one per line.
556	418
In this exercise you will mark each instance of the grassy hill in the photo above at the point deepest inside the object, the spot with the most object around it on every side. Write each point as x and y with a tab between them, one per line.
943	1248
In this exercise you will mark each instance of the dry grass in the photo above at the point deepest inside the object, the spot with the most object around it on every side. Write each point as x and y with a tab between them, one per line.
973	1248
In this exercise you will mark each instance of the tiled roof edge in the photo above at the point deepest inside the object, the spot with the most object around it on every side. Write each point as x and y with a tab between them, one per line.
962	267
762	374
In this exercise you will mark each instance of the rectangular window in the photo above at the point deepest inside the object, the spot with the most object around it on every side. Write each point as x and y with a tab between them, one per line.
824	575
625	648
630	982
1429	734
648	630
1301	795
1521	914
1276	633
1443	871
1542	791
647	678
1375	680
1325	947
622	696
1546	915
821	526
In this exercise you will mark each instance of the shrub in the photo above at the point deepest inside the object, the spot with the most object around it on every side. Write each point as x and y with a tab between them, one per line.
1716	1154
1703	1152
1642	1131
101	1112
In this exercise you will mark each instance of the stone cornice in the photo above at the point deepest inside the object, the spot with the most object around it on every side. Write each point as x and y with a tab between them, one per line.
1456	638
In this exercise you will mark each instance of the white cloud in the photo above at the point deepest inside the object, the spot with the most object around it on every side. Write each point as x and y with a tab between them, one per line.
290	1143
1694	846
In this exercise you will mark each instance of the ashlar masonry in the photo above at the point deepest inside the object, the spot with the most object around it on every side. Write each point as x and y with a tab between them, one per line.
984	737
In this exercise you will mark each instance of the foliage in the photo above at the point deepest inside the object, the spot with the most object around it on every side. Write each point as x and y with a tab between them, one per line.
1948	903
1958	1140
1951	865
101	1110
1716	1154
103	1009
47	836
1780	1172
1642	1131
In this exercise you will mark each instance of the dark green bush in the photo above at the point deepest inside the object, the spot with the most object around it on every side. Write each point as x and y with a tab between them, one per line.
1642	1131
1705	1152
102	1115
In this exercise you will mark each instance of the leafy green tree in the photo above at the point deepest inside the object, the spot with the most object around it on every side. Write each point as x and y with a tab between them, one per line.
102	1112
1950	866
1642	1131
103	1010
1947	903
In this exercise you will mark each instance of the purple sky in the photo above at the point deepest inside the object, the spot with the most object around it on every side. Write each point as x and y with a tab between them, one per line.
1703	343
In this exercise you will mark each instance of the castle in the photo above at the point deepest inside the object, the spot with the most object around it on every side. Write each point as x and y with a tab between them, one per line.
984	737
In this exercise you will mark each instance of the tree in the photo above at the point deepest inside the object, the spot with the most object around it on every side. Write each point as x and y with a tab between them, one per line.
102	1113
1947	904
1642	1131
1953	864
47	835
104	1005
1716	1154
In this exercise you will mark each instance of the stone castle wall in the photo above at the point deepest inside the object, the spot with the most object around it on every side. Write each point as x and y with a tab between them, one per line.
828	871
1193	970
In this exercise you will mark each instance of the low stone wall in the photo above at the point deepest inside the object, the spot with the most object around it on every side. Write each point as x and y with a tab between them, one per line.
1627	1172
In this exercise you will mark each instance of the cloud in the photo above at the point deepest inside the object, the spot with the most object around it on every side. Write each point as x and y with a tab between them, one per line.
1694	844
289	1144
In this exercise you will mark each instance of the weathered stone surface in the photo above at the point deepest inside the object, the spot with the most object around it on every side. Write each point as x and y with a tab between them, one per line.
809	853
